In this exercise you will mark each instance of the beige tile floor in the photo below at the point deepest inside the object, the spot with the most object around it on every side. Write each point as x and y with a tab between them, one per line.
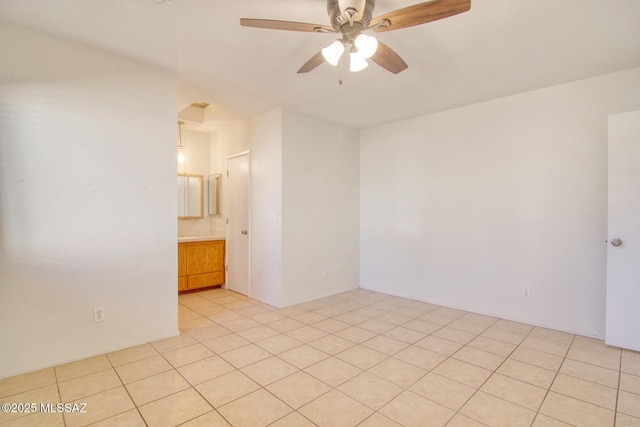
357	358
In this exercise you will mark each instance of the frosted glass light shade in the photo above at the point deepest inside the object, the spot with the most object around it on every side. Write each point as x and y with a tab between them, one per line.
358	62
366	45
181	155
333	52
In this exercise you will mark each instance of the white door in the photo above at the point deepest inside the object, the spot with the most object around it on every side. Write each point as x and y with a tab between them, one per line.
238	233
623	245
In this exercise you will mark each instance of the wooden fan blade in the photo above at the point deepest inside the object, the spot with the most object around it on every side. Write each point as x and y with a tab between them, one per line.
421	13
388	59
284	25
311	64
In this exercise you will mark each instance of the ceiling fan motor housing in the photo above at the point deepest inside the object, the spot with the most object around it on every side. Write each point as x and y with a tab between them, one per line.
339	10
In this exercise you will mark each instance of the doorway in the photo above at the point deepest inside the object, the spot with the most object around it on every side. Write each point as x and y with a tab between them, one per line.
238	219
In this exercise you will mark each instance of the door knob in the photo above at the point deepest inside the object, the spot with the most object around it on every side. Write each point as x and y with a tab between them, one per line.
245	232
616	242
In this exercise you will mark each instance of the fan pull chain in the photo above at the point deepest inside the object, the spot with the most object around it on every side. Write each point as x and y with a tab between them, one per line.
342	65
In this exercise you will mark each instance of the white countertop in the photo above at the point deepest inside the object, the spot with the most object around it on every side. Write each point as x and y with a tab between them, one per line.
199	238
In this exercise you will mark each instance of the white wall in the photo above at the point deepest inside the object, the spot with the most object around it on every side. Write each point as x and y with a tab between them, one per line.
234	138
87	201
198	159
265	139
304	207
466	207
320	207
198	152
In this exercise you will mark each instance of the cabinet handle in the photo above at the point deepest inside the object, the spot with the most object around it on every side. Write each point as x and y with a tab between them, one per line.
245	232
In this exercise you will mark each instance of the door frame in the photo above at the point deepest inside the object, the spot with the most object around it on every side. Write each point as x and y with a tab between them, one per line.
227	193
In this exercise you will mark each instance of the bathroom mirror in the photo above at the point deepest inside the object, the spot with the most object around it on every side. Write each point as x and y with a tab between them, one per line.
190	196
213	194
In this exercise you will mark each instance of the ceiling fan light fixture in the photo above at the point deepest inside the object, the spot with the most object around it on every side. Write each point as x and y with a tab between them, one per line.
333	52
366	45
358	62
350	18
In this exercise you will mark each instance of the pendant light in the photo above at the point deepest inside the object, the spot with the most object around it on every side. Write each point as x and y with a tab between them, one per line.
181	148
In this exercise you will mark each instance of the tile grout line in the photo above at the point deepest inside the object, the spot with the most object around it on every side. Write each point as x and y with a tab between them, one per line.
213	408
615	409
589	381
332	388
55	375
127	391
303	370
477	389
191	386
264	387
553	381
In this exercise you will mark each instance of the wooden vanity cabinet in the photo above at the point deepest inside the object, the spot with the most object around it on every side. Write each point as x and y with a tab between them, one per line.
200	264
182	267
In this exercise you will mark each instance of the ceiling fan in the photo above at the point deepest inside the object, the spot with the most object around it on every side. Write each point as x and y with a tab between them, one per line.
351	19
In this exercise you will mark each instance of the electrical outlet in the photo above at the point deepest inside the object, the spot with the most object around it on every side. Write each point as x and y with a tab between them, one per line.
325	272
526	292
98	314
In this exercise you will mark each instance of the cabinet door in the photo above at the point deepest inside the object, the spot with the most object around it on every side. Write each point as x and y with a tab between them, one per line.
182	260
200	258
218	255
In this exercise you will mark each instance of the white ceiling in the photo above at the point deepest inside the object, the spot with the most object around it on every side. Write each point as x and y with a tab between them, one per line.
498	48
